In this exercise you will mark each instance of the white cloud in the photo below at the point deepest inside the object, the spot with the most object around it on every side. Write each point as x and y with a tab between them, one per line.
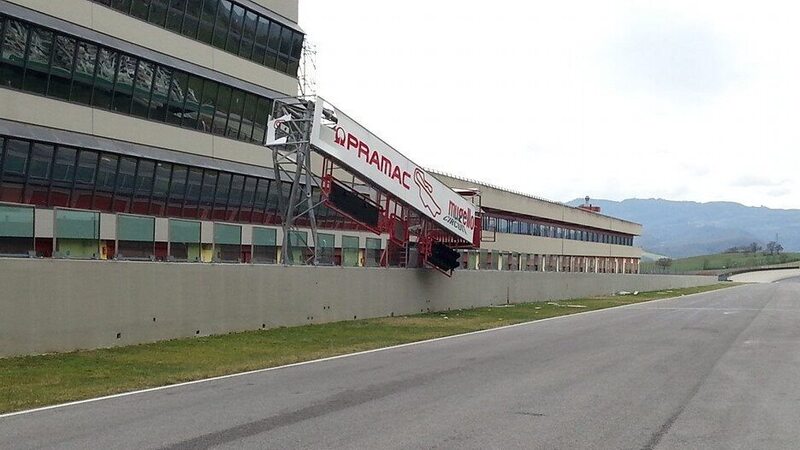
614	99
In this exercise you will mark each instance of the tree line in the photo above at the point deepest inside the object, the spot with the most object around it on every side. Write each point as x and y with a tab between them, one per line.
772	248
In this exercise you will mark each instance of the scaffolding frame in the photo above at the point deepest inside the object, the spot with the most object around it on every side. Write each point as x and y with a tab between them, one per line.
291	159
289	138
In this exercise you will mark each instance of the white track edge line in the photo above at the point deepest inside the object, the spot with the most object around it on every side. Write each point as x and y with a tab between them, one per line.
346	355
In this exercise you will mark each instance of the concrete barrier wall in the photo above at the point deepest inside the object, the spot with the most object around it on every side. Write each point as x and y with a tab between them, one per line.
62	305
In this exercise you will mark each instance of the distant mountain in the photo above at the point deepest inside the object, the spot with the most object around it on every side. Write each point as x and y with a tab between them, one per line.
680	229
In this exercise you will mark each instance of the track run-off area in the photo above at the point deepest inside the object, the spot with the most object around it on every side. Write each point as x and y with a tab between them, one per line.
711	370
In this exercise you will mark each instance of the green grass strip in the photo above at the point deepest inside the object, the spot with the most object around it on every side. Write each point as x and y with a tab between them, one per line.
33	381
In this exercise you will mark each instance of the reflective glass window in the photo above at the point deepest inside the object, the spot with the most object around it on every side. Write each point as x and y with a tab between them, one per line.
175	15
177	188
249	192
192	17
297	45
261	38
237	184
273	45
121	5
126	177
123	87
262	189
248	34
235	32
221	115
144	178
143	83
61	69
161	184
140	9
160	96
64	165
87	167
12	64
41	161
235	113
222	24
192	107
106	67
158	12
207	106
285	49
223	188
83	76
263	110
248	116
205	30
194	184
177	95
107	172
209	187
38	63
15	158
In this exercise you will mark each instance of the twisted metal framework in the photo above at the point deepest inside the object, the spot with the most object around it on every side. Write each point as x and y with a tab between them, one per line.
291	158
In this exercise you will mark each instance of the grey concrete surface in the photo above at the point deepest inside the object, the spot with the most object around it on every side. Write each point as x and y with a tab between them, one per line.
765	276
52	305
716	370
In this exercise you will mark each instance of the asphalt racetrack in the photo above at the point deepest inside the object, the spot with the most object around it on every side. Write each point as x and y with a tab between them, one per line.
714	370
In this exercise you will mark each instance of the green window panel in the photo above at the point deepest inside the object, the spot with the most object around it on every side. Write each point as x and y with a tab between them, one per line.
298	238
133	228
373	244
227	234
265	236
297	244
77	224
325	248
16	221
325	240
350	251
184	231
350	242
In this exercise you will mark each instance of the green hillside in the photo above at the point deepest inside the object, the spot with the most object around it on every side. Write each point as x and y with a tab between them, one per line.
720	261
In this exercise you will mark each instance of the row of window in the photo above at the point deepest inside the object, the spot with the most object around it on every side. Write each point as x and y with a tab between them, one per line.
494	260
224	24
41	61
76	234
501	224
44	174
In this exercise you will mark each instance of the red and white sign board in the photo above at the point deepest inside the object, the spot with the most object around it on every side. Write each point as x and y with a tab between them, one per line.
368	156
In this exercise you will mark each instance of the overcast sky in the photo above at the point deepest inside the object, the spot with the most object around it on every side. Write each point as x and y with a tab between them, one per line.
684	100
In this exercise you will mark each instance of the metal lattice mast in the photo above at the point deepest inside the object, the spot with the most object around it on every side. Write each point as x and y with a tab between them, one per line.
291	158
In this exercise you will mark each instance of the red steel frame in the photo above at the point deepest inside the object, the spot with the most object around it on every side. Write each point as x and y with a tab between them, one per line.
398	220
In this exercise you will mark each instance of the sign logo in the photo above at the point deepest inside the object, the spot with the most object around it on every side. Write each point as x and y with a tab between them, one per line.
384	164
460	218
426	193
340	136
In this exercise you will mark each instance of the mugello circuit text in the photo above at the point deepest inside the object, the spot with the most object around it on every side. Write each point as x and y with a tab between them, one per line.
458	217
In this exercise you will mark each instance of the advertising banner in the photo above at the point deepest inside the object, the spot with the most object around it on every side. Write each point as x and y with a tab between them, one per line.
372	159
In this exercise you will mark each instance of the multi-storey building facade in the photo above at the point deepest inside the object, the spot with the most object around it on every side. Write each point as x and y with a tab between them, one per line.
522	232
134	129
